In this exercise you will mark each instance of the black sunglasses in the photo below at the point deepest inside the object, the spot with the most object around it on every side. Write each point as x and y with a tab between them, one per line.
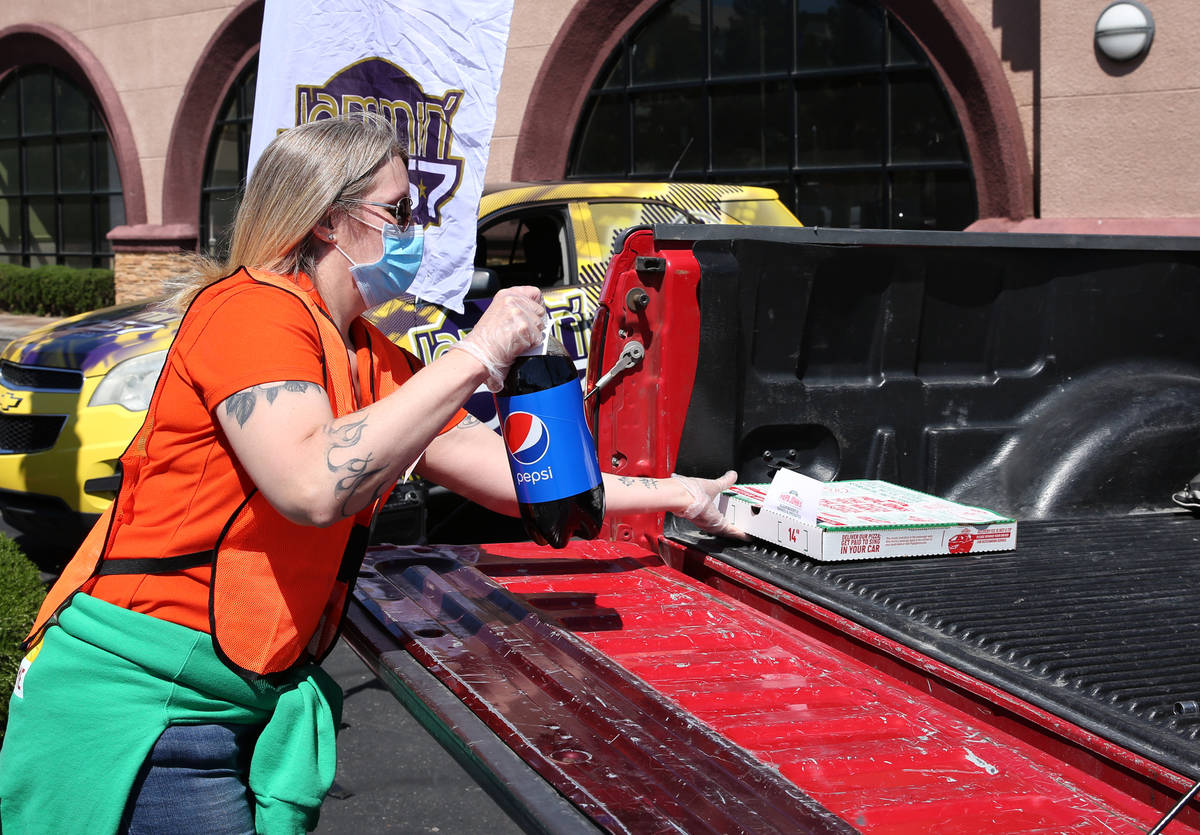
402	210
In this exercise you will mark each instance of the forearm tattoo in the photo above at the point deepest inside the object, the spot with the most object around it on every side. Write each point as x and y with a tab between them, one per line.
354	471
649	483
241	405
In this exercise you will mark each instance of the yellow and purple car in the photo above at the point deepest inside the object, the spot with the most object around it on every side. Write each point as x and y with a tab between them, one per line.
74	393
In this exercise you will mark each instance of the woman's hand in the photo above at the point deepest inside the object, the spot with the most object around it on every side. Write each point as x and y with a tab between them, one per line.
684	496
514	322
703	510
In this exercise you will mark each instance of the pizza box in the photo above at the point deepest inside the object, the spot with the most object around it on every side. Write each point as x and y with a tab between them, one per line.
862	520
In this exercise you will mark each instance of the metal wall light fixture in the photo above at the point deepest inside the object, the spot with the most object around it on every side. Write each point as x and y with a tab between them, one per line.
1124	31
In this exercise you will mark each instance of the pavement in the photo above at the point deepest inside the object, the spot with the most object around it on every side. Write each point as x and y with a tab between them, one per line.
392	776
13	325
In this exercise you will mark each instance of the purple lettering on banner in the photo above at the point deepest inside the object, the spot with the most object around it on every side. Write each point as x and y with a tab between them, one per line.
423	120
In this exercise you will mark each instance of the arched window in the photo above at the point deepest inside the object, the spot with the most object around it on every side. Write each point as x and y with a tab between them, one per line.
830	102
225	164
60	191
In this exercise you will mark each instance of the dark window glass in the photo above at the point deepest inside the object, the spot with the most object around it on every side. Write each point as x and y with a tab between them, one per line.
57	171
71	107
220	212
840	199
225	168
75	169
76	225
920	198
746	129
838	33
830	102
673	49
839	121
247	91
37	93
10	173
225	158
39	166
902	49
923	125
606	138
747	38
42	225
10	225
668	131
617	72
107	176
9	119
110	213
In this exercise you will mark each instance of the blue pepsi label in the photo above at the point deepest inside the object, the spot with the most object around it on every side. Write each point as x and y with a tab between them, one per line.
550	450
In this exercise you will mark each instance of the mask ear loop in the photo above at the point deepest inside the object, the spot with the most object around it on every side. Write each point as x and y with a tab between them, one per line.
344	255
332	239
323	232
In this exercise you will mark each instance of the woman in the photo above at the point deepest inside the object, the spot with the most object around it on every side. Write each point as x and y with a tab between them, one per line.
171	685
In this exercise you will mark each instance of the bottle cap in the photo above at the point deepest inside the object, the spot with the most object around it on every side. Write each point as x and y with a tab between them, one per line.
543	346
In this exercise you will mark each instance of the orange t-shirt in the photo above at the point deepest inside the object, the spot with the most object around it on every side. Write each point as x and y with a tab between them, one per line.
191	484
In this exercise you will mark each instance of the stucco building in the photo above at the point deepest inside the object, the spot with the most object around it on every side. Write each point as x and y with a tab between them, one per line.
122	124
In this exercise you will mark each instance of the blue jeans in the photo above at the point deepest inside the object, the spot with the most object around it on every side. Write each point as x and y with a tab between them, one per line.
193	782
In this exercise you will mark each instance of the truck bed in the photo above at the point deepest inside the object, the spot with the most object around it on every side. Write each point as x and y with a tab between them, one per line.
661	680
1094	621
603	683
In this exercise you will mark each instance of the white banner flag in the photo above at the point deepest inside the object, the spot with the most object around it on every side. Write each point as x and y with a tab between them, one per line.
433	68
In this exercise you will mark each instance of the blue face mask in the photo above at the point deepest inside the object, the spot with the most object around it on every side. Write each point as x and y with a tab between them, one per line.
395	270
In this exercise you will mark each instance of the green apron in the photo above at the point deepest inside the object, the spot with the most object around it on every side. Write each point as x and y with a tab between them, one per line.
105	682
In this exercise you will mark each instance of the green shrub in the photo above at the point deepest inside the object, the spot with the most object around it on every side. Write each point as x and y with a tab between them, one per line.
21	593
54	290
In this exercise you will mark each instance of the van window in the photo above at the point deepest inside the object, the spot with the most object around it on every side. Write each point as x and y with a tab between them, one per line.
526	248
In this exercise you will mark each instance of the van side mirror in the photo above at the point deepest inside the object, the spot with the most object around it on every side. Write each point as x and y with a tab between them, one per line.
484	283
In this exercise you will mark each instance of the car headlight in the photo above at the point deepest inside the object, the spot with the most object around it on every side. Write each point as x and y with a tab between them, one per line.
130	383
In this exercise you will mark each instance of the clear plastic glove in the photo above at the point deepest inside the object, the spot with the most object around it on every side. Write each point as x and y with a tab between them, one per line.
514	322
703	509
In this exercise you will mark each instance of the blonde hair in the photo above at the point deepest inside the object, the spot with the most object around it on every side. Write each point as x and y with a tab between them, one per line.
307	174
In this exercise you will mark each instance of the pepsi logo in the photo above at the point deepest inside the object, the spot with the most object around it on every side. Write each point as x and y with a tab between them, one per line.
527	437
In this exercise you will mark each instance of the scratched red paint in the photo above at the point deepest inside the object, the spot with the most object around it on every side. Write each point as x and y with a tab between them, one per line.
880	754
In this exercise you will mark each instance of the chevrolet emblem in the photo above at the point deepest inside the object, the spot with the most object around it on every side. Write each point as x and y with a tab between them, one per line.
8	400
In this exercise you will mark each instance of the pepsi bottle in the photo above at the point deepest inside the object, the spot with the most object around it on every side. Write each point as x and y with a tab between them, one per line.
550	450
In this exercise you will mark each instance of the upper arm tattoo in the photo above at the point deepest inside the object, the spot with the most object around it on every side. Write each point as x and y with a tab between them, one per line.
351	468
241	405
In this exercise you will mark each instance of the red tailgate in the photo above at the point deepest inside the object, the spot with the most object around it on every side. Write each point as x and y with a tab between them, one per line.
880	754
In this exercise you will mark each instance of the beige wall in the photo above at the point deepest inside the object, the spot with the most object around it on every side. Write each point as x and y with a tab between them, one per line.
1107	143
1113	144
535	23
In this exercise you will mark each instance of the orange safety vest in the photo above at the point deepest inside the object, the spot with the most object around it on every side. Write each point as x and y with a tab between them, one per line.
269	607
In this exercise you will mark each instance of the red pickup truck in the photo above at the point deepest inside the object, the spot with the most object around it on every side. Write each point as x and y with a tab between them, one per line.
658	679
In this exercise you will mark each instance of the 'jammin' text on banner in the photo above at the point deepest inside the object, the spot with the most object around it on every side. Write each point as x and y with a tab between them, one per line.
434	72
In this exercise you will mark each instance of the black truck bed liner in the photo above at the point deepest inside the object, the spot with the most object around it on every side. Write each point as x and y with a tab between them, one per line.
1028	622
